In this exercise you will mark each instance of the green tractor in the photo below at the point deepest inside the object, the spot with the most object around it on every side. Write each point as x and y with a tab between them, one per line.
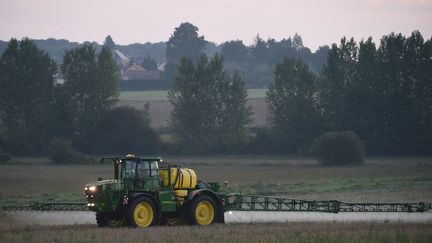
147	192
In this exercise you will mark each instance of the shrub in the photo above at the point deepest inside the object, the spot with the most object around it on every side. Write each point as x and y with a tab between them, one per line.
60	151
338	148
5	157
122	130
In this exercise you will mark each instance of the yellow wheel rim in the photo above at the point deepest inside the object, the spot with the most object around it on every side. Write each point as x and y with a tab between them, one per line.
143	214
204	213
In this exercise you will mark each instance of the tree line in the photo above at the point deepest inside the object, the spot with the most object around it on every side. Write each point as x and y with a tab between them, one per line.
381	93
36	108
254	63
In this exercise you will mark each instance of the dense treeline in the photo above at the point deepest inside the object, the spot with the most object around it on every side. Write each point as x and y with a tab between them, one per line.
36	109
383	94
255	63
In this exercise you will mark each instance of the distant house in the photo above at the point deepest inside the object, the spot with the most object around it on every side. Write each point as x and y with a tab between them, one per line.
121	59
137	72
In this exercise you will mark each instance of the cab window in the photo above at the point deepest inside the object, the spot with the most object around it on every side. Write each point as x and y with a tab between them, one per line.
128	169
154	168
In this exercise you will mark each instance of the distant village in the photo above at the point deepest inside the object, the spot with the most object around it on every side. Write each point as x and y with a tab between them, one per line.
130	68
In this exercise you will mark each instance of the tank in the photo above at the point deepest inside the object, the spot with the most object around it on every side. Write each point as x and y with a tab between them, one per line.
181	178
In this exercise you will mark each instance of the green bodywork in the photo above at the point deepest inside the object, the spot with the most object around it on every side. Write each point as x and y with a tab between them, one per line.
133	176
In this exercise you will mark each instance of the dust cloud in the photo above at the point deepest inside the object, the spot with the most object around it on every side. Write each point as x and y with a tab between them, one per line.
75	218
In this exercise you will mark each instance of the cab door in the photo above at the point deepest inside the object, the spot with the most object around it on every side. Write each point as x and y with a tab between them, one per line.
148	174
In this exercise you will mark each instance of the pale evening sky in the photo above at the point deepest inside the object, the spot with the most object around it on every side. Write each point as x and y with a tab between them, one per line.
131	21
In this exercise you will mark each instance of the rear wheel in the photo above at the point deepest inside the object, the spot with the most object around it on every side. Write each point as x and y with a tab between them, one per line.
143	213
202	211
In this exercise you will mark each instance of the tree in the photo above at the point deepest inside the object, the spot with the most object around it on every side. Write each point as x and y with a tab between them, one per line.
109	43
319	58
297	42
204	101
259	49
336	83
108	80
238	113
235	51
292	106
184	42
123	129
423	91
149	63
26	96
91	85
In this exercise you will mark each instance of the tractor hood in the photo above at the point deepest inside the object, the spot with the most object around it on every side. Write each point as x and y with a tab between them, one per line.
96	187
99	195
101	183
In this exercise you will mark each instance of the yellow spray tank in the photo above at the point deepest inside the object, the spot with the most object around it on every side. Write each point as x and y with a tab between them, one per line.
180	179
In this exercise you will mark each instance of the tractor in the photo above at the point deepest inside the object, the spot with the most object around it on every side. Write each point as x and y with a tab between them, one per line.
147	192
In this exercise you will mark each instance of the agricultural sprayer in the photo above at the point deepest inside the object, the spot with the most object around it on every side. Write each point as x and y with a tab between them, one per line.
146	192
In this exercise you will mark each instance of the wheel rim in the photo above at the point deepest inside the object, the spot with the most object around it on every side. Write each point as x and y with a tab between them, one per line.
143	214
204	213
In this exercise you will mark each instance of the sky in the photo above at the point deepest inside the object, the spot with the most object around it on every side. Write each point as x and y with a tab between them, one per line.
319	22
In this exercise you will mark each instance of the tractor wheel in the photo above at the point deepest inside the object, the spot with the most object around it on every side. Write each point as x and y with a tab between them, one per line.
101	220
202	211
109	219
143	213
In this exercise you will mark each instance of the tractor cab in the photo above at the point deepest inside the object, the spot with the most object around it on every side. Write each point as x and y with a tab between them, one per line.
138	173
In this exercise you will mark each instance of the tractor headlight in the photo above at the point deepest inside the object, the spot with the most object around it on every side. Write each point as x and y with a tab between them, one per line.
93	191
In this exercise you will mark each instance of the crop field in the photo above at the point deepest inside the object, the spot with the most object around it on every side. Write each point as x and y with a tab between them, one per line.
160	107
269	232
379	180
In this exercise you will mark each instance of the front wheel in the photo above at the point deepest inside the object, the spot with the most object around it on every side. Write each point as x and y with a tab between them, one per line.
109	219
202	211
143	213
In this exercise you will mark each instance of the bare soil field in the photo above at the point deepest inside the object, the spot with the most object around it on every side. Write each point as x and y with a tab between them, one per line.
251	232
160	110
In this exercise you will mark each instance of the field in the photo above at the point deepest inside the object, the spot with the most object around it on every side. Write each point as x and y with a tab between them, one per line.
379	180
160	107
270	232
